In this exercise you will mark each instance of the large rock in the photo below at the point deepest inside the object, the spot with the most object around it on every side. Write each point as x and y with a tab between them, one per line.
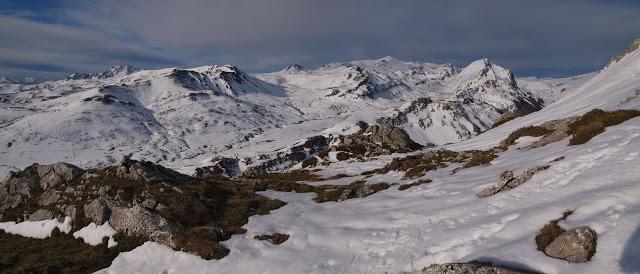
576	245
138	221
470	268
20	185
21	182
559	130
49	197
222	166
51	176
134	170
296	154
97	211
376	140
41	214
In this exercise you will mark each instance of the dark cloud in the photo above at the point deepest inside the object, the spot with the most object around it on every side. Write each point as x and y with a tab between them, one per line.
546	38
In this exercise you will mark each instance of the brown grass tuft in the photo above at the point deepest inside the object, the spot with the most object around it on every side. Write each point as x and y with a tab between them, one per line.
276	238
416	183
481	158
534	131
551	231
595	122
60	253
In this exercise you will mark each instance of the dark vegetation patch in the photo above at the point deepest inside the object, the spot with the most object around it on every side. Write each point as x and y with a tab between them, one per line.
416	183
357	189
311	162
293	182
594	122
342	156
105	99
356	149
60	253
276	238
338	176
506	117
533	131
551	231
481	157
417	165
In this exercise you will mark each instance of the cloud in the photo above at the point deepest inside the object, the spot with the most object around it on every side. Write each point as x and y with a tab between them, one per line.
531	37
48	50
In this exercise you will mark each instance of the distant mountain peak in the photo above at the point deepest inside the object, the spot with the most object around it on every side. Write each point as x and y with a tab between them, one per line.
111	72
485	69
295	68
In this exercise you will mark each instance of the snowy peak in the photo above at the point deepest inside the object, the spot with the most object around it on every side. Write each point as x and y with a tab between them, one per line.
633	47
482	74
227	79
489	85
295	68
110	73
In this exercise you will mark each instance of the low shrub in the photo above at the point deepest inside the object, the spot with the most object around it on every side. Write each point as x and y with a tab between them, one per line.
595	122
481	158
60	253
533	131
551	231
506	118
416	183
311	162
341	156
276	238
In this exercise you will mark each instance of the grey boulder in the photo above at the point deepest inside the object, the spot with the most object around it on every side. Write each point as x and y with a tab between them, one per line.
470	268
577	245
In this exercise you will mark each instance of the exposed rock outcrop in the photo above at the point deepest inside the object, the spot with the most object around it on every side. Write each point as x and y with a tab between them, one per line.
97	211
577	245
296	154
139	221
146	171
41	214
139	199
559	129
225	166
42	183
378	139
508	181
52	175
470	268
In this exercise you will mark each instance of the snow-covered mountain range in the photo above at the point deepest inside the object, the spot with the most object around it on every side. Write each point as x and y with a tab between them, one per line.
185	117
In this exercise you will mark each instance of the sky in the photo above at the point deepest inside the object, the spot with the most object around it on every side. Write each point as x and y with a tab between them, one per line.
545	38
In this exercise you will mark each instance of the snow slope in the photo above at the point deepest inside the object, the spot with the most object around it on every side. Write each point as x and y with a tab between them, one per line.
403	231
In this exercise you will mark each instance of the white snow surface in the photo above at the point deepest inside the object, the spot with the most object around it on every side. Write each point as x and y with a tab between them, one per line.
93	234
444	221
37	229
